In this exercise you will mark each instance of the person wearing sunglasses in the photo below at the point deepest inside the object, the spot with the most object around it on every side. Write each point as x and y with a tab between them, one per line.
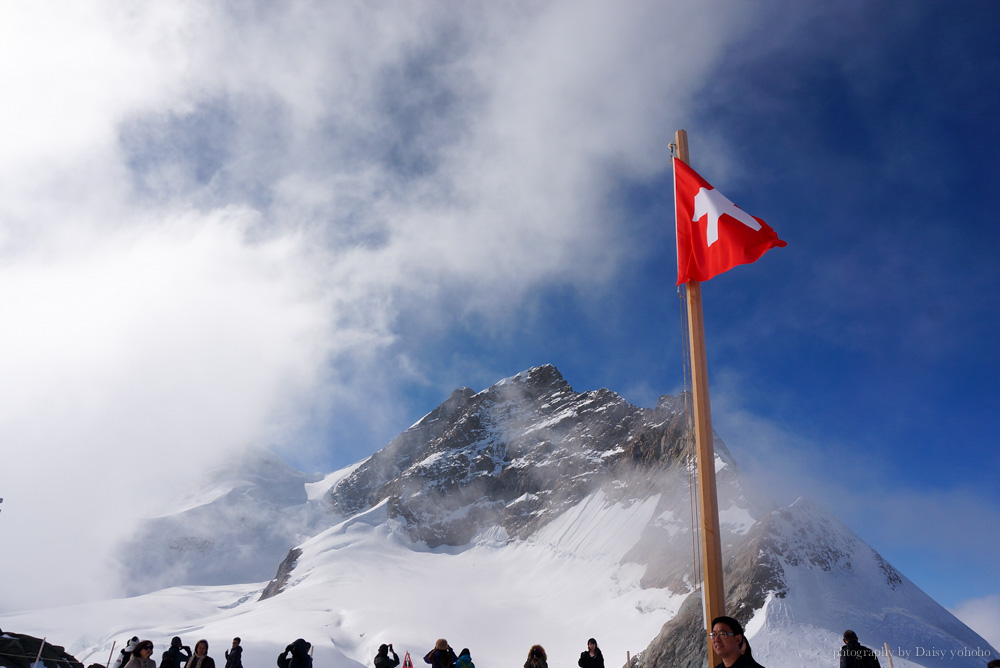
141	656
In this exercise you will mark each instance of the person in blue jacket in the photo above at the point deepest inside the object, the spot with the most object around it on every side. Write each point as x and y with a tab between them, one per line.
464	659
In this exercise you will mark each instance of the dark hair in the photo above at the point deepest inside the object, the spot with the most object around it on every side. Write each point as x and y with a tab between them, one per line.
383	649
465	650
850	636
995	663
237	640
175	641
145	644
539	651
591	640
733	625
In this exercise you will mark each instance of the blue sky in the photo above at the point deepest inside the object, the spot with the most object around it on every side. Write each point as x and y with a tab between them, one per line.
303	225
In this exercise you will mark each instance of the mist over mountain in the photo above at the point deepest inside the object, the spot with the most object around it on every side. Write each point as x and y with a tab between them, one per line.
527	512
233	527
519	454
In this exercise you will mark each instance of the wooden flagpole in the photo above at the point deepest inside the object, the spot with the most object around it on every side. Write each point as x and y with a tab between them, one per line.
713	593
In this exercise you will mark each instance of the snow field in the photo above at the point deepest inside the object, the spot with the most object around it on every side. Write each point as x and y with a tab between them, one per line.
362	583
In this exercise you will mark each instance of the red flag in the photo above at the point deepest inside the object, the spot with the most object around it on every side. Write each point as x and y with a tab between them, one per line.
713	234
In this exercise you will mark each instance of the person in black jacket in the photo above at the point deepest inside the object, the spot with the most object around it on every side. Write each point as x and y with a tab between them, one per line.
592	658
200	658
536	658
855	655
300	655
745	648
442	656
727	643
176	655
234	656
383	660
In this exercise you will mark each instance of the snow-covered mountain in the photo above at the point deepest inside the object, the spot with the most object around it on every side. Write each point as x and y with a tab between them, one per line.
522	452
234	526
525	513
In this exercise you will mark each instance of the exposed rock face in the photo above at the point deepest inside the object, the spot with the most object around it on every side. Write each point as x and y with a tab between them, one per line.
275	586
515	456
802	551
681	643
19	651
752	572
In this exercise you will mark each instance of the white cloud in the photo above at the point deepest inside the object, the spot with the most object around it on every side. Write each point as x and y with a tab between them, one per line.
982	615
214	220
130	362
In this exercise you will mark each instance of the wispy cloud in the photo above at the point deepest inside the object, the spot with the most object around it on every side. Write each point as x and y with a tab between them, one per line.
916	525
218	223
982	615
131	361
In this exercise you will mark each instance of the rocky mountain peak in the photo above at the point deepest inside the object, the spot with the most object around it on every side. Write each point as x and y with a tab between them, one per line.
542	376
512	455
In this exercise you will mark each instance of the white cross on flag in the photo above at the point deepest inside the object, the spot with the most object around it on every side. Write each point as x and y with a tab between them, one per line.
728	236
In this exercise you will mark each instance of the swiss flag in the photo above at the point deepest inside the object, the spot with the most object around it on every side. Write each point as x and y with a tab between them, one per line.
713	234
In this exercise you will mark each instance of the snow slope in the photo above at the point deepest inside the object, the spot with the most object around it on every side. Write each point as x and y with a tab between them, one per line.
849	585
234	525
363	582
526	513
